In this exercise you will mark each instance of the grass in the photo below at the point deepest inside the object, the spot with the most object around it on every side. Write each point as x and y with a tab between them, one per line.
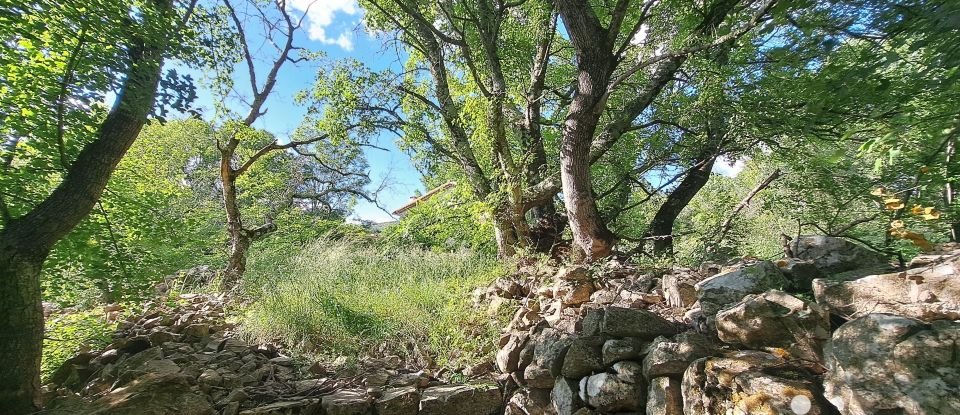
338	298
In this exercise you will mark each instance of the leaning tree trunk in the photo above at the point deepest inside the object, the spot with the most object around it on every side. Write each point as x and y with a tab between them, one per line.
595	61
26	241
661	227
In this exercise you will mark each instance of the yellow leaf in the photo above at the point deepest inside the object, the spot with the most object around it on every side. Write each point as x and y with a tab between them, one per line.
878	191
930	213
916	210
893	203
924	169
897	224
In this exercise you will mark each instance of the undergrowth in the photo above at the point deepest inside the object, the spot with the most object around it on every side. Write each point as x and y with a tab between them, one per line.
67	334
341	298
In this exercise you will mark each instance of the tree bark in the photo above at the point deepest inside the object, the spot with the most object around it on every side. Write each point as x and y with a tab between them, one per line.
26	241
595	62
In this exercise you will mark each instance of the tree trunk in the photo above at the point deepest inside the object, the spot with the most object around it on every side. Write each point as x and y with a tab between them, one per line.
661	227
21	330
595	63
26	241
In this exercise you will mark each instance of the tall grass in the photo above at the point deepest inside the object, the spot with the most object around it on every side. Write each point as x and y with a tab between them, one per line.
338	298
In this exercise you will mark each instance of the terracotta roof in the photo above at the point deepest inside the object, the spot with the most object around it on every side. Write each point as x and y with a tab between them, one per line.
424	198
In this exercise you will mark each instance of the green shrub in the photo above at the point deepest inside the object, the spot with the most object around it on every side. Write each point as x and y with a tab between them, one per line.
338	298
67	334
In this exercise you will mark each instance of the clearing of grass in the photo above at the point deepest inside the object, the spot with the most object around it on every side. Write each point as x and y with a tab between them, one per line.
336	298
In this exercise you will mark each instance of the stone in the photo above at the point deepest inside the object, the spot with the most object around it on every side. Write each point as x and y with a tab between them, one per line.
615	350
565	396
750	382
153	394
483	399
578	273
577	294
508	357
210	377
776	319
550	351
398	401
300	407
926	293
730	287
603	297
678	288
800	272
198	330
670	357
620	392
536	376
161	337
583	357
833	255
642	324
664	397
882	363
346	402
529	401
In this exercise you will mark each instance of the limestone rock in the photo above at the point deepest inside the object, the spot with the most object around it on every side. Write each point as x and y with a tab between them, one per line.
664	397
508	357
750	382
565	396
460	400
346	402
800	272
398	401
670	357
530	402
678	288
301	407
776	319
730	287
608	392
573	273
881	363
832	255
926	293
642	324
154	394
615	350
583	357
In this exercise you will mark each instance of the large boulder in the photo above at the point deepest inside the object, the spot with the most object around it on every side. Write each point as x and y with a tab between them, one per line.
926	293
730	287
750	382
565	396
778	320
833	255
882	363
529	402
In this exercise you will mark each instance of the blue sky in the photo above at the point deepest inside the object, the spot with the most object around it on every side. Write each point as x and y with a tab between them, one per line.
333	27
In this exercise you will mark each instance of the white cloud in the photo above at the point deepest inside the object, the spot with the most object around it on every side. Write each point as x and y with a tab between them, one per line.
321	14
725	167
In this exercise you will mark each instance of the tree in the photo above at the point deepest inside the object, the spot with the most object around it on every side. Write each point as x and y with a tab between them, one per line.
338	118
27	239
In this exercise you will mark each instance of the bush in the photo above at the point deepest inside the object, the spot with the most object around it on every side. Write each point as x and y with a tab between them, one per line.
338	298
67	334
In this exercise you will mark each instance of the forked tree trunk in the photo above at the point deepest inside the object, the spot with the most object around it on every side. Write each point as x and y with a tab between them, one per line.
26	241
